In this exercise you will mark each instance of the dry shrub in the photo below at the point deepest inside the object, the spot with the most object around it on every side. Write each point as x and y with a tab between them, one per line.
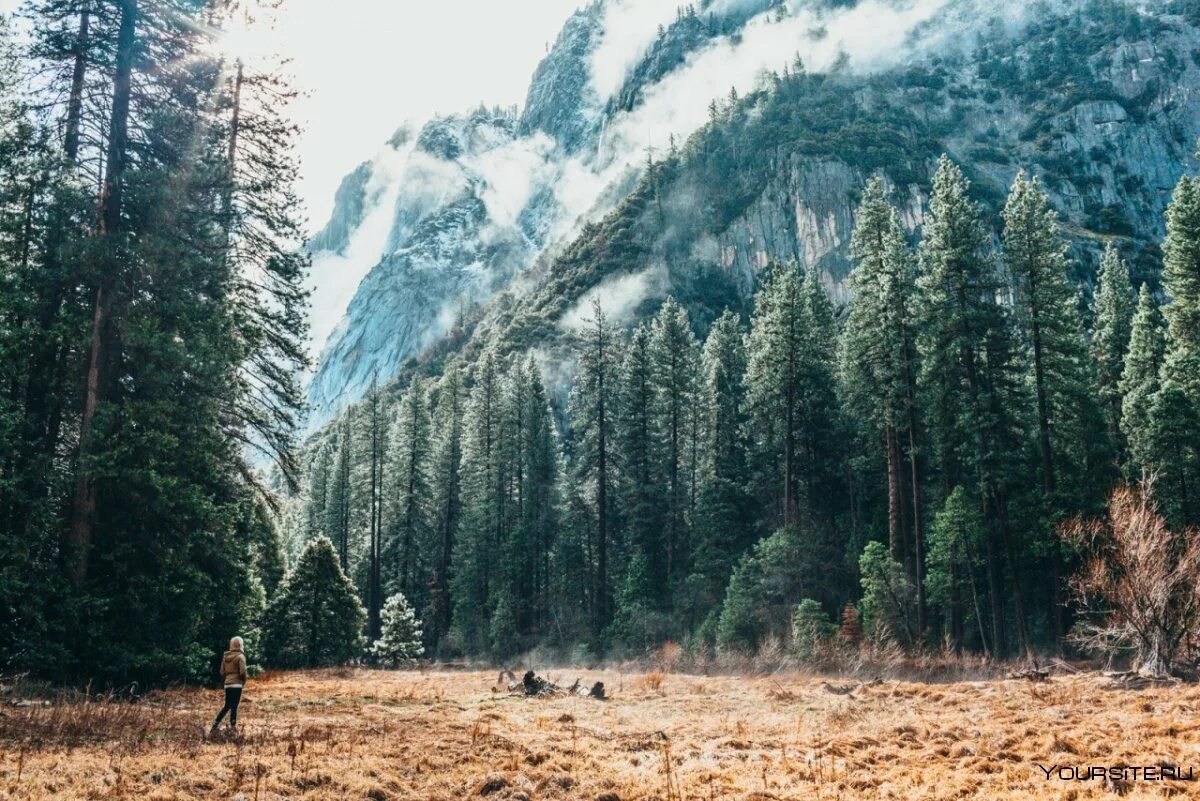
1139	586
132	725
652	681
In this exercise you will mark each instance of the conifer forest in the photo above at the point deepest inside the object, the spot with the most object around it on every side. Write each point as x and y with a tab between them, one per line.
953	413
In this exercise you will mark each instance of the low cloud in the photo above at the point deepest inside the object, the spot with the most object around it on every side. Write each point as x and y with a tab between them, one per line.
630	27
619	297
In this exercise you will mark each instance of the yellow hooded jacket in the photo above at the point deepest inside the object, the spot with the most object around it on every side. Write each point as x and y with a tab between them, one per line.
233	668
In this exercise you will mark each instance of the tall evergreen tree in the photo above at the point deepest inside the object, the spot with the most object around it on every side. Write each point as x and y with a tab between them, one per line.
408	494
639	482
186	275
674	357
537	500
485	518
967	355
790	393
1116	305
822	427
1068	419
1175	412
339	509
316	496
724	510
593	406
375	446
1140	382
879	368
446	478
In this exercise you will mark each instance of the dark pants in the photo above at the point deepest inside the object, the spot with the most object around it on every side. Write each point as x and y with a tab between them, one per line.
233	695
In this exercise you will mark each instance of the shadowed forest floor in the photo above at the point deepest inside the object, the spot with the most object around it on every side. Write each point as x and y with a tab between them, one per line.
407	735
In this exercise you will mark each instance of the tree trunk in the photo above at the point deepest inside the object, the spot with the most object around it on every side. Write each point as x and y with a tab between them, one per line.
75	100
236	115
1011	557
915	479
1048	481
999	640
83	507
895	513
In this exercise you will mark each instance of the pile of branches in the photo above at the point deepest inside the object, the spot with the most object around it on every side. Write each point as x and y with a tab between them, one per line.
533	685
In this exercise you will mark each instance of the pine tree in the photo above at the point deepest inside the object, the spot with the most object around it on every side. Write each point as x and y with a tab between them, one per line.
165	326
485	514
320	474
537	499
1115	308
316	619
888	601
35	329
374	445
639	479
766	585
811	629
822	427
408	492
879	367
1140	383
1069	422
446	480
1175	412
674	358
163	323
955	546
339	509
790	393
593	412
400	642
724	510
967	354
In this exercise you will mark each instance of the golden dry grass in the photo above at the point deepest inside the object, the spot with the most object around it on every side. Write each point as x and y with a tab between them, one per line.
383	735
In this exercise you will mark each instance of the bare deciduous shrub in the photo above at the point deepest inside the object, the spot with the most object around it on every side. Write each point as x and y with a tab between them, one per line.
652	681
1139	586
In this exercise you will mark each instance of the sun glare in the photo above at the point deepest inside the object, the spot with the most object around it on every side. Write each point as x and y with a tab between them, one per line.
247	37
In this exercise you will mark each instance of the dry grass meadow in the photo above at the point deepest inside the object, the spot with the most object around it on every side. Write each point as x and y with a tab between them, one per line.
447	735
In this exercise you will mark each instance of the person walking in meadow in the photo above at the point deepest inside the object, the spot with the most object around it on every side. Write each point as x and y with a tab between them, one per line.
233	673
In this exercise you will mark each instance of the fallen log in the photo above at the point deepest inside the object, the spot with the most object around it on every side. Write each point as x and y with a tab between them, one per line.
533	685
847	689
1132	680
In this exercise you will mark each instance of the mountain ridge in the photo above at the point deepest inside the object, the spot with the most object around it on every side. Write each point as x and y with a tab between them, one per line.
1138	90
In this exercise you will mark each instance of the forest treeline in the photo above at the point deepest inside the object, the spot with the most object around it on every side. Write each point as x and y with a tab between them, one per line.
902	465
152	333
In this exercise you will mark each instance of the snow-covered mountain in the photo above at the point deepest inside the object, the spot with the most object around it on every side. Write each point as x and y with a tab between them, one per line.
447	215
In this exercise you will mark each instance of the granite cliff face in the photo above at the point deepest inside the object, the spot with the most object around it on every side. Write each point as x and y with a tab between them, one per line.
1109	160
472	199
1103	104
444	247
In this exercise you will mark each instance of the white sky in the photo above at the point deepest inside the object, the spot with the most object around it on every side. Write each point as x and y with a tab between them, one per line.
369	65
366	66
